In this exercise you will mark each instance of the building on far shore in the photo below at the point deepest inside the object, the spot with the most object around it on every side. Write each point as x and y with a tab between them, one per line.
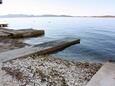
0	1
3	24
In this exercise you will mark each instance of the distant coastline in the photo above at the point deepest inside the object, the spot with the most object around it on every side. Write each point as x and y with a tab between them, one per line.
25	15
51	15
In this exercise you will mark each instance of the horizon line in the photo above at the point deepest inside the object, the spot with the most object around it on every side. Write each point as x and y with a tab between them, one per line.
56	15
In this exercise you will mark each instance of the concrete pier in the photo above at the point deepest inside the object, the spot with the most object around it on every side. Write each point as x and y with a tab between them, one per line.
40	49
105	76
23	33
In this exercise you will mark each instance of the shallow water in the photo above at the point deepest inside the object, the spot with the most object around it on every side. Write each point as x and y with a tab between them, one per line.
97	35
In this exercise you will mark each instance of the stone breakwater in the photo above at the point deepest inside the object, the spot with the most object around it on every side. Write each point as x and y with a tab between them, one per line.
46	70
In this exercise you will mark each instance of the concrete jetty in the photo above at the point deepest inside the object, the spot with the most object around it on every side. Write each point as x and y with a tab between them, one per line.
105	76
40	49
22	33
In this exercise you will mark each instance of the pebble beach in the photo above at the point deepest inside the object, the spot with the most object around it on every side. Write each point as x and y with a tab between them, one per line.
46	70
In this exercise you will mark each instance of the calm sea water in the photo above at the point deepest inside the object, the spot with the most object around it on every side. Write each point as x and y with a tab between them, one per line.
97	35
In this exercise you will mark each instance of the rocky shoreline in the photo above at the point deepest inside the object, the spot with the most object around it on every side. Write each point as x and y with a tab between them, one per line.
13	39
10	44
46	70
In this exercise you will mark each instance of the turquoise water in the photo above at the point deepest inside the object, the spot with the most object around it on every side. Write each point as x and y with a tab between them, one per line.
97	35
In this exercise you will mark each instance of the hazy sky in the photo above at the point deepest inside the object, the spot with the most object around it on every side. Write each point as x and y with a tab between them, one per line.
68	7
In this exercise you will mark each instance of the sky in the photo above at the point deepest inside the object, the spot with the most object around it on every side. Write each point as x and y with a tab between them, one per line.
59	7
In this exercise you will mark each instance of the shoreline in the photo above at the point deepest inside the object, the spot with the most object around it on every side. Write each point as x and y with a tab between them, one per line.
10	44
45	70
13	39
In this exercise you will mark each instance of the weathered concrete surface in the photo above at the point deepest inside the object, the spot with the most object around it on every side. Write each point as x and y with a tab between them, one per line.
105	76
4	32
40	49
27	33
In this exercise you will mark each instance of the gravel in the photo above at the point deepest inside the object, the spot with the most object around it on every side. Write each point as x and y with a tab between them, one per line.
46	71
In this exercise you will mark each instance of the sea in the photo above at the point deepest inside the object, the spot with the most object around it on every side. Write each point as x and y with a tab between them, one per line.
97	35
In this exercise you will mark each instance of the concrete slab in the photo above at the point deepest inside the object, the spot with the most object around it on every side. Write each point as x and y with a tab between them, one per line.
40	49
105	76
23	33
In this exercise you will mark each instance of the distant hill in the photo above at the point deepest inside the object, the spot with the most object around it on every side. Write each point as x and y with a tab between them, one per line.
24	15
105	16
50	15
